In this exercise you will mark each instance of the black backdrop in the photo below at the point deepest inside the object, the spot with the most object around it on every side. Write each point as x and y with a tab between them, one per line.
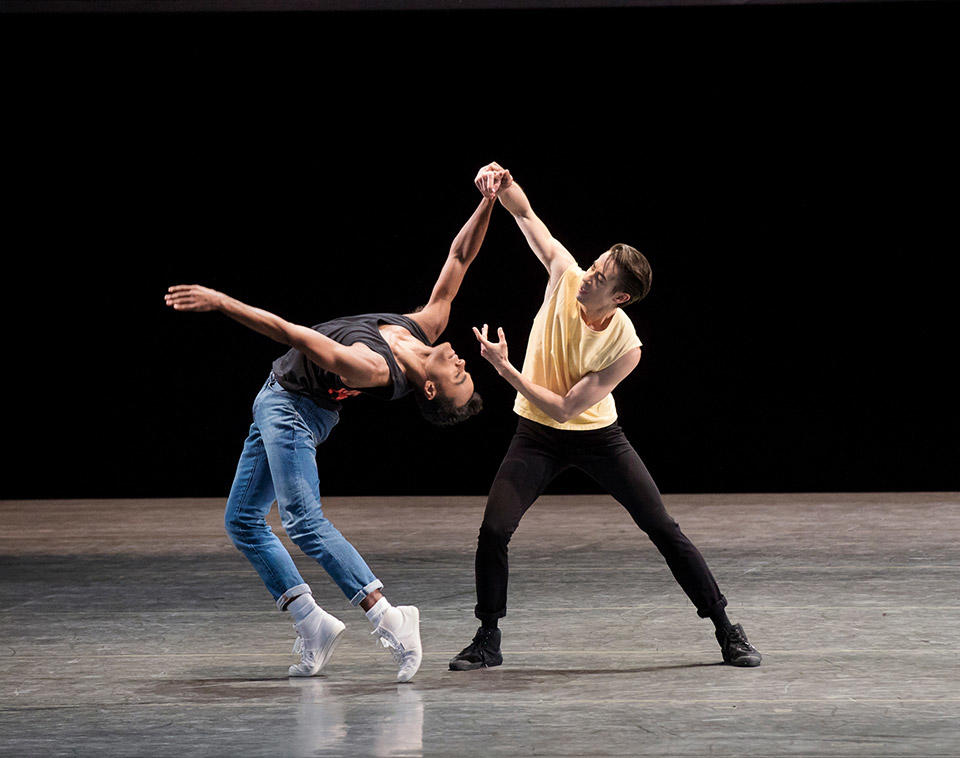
787	170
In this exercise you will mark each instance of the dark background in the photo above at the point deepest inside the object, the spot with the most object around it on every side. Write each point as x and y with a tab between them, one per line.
788	171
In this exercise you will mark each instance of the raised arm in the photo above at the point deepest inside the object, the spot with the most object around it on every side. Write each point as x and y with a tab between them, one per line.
589	391
358	367
464	248
554	256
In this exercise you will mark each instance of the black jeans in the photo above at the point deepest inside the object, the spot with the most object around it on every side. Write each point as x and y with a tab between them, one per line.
539	453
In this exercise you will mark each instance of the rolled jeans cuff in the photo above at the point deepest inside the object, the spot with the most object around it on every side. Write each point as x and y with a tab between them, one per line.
718	605
290	594
358	598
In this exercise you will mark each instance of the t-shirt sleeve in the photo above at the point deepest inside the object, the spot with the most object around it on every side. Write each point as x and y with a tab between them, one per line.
627	342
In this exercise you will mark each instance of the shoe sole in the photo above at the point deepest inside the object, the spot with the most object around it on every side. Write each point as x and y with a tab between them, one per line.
325	655
469	666
746	661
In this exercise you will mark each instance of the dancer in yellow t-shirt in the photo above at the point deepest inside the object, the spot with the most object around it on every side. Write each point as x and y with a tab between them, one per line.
581	346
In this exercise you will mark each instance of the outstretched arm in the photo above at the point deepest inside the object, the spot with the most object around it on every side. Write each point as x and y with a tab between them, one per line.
357	367
554	256
590	390
464	248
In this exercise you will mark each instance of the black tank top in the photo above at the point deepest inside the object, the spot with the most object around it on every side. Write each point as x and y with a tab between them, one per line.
297	373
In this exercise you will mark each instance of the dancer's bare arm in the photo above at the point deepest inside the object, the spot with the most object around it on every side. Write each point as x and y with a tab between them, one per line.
553	255
464	248
357	365
590	390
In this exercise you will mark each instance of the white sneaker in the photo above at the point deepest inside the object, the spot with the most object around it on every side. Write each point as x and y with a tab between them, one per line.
400	633
317	637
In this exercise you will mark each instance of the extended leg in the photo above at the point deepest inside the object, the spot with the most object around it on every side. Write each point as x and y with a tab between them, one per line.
617	468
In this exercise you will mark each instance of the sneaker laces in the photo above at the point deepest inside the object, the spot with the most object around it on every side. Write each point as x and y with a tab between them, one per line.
299	644
390	641
736	638
483	637
480	641
397	651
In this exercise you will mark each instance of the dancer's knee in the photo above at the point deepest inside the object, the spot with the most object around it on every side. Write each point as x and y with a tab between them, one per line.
494	534
233	529
242	531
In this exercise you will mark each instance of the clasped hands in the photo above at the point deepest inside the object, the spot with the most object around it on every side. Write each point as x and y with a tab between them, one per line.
492	179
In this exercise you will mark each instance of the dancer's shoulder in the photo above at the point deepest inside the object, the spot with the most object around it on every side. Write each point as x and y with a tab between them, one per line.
564	273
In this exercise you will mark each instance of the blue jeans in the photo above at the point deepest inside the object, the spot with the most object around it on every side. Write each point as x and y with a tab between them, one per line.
279	462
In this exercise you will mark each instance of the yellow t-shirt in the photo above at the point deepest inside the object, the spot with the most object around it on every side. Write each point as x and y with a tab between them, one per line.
562	349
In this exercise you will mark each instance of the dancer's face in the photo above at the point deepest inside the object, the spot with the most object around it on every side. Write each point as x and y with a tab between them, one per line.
598	287
447	371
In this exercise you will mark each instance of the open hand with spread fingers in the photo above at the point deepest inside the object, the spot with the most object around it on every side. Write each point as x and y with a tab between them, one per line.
192	297
494	352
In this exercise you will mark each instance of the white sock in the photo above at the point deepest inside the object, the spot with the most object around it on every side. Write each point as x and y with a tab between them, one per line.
377	610
302	606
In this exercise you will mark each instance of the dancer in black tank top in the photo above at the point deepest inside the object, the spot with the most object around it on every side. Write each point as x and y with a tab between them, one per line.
297	373
386	355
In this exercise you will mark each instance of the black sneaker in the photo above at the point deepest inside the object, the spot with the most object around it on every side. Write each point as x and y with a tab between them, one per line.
737	650
484	651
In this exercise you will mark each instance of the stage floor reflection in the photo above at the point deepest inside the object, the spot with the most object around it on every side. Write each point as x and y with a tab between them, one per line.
134	628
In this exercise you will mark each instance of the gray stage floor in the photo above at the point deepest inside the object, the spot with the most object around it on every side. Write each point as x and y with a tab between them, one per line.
134	628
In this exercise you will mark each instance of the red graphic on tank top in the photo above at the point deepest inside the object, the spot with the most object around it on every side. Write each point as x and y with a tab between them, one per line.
342	394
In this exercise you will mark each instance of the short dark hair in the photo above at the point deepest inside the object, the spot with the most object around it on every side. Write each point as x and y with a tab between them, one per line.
635	275
442	412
